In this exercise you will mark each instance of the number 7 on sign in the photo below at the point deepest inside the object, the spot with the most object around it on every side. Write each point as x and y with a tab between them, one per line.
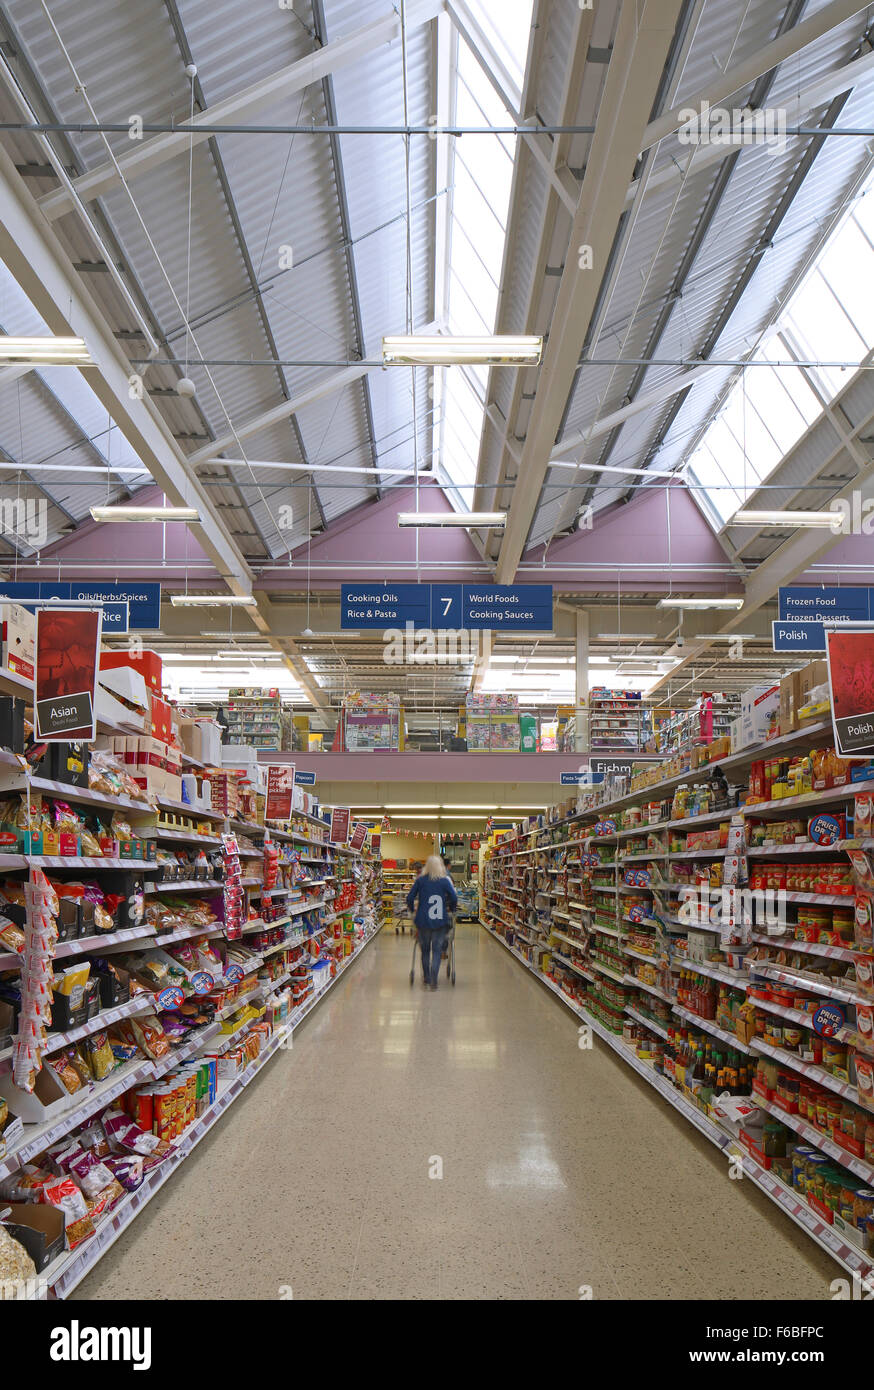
446	606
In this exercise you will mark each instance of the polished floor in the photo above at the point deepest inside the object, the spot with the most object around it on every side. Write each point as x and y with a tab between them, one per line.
561	1170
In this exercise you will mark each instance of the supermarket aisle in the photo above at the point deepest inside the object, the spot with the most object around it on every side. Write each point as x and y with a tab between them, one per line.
560	1167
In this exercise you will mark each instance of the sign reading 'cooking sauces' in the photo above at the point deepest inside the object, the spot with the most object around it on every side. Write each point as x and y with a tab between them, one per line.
520	607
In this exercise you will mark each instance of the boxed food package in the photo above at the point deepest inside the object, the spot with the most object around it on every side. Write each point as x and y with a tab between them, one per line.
160	718
760	706
147	663
37	1226
189	738
17	626
813	674
123	698
210	742
790	703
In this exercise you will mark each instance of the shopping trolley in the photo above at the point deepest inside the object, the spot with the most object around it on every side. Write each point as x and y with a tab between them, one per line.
449	951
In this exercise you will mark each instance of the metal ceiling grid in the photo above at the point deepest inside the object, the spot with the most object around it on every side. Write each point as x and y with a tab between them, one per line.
125	55
751	193
834	173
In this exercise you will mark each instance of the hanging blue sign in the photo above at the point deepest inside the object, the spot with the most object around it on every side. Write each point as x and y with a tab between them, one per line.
447	607
580	779
304	779
143	600
516	607
803	608
385	605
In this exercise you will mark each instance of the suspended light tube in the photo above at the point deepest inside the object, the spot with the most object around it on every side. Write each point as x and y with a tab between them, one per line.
124	513
471	520
442	350
751	517
213	600
61	351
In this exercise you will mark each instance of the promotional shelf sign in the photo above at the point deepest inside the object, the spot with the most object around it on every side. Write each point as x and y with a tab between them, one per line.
850	652
339	832
67	661
280	790
358	836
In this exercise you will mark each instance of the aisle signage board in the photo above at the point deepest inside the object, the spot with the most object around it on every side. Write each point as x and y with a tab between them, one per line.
67	660
803	608
280	790
339	832
305	779
586	778
851	686
515	607
518	607
621	767
143	600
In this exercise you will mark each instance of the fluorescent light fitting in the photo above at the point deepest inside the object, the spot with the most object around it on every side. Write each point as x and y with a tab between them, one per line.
465	806
69	351
748	516
213	600
405	806
701	603
145	513
242	655
470	520
443	350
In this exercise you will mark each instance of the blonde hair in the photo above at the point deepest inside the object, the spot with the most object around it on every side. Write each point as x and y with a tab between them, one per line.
434	867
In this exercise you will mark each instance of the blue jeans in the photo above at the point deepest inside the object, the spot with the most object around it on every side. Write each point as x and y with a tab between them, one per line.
432	940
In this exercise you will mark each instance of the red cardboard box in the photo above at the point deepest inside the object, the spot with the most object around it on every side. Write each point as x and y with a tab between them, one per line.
148	664
161	719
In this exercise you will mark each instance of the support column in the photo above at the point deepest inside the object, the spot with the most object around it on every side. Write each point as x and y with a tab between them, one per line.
581	697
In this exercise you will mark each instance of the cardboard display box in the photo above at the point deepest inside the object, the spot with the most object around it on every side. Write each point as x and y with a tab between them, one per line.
17	626
148	664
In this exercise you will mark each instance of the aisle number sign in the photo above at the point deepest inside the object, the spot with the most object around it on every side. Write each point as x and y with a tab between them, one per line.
508	607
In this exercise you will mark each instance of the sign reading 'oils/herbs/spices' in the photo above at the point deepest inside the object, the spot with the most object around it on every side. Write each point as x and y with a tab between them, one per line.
444	607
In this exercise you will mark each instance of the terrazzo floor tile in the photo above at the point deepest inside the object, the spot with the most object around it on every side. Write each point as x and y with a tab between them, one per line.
559	1167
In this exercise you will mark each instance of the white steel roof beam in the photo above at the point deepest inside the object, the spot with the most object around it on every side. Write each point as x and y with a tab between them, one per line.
643	40
45	273
278	87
